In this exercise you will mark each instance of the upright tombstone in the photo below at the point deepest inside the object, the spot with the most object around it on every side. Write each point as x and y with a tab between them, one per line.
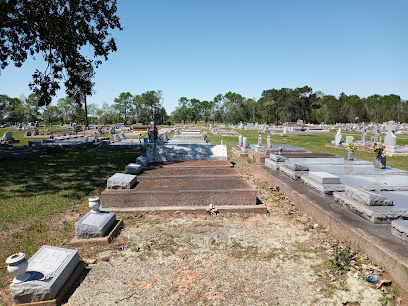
112	131
245	143
364	137
339	137
285	130
48	270
390	139
377	135
349	139
268	142
123	135
240	141
116	137
8	136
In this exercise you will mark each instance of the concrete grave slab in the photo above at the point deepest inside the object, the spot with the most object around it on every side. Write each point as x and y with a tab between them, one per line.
122	181
399	228
293	174
296	166
378	214
324	177
94	225
133	168
277	158
270	163
367	197
323	189
49	268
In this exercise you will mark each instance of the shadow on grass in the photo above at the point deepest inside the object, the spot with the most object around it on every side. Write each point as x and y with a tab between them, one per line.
72	173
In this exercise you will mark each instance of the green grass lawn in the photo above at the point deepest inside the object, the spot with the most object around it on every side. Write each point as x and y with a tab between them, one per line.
33	192
315	144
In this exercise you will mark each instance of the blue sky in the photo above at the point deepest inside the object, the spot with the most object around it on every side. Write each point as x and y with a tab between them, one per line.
199	49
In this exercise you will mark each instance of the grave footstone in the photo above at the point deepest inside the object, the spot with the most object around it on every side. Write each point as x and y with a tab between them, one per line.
133	168
94	225
122	181
49	269
142	160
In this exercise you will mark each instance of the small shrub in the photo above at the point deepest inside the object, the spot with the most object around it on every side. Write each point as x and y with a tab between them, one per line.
342	258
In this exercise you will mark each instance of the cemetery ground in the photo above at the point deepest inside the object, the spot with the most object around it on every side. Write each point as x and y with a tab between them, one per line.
41	199
280	258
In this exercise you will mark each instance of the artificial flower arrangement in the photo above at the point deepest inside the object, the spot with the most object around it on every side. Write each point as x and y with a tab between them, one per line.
352	146
379	149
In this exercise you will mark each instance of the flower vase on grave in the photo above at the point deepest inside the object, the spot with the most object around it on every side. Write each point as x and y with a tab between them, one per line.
380	162
349	155
94	204
17	266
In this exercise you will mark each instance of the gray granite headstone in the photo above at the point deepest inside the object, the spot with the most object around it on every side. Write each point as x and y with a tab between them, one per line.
142	160
28	133
133	168
122	181
94	225
49	269
123	135
8	135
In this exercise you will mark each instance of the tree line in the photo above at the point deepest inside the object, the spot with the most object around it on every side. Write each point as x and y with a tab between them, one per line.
126	108
288	105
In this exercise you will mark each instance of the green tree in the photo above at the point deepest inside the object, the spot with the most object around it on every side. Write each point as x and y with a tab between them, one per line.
57	30
124	105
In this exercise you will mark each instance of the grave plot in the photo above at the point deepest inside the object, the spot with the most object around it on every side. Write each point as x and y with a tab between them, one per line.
377	207
184	152
399	228
47	276
355	169
369	182
190	186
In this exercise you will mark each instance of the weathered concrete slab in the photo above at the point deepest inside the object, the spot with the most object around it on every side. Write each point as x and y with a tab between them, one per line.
278	158
367	197
296	166
94	225
324	177
378	214
257	208
376	182
293	174
273	164
399	228
375	240
323	189
49	269
182	192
